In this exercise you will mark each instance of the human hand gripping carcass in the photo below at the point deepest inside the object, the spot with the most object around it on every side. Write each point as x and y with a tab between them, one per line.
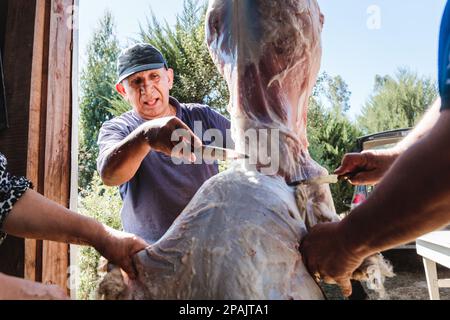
239	236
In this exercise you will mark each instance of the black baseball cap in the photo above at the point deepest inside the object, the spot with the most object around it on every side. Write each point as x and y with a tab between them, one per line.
139	57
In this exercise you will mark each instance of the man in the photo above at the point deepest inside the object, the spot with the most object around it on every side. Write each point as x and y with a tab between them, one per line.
135	147
412	199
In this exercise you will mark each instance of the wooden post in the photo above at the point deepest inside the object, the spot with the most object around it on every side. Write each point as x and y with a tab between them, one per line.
38	78
74	249
37	127
432	279
58	133
49	134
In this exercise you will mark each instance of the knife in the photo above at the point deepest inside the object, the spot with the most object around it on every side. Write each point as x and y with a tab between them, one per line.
332	178
210	152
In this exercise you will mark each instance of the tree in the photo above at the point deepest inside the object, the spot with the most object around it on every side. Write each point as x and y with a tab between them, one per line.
184	47
316	117
338	94
397	102
337	138
96	92
329	102
330	133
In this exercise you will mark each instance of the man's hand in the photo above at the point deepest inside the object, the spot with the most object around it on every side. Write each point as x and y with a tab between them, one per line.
119	248
160	132
367	167
168	135
325	255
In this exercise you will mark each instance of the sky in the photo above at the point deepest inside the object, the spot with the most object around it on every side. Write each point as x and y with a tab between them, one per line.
361	38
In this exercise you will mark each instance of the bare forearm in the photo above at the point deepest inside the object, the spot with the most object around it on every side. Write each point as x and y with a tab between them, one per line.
123	160
12	288
35	217
422	128
412	199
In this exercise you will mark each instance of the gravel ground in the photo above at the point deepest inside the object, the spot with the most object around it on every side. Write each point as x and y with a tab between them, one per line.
412	286
408	284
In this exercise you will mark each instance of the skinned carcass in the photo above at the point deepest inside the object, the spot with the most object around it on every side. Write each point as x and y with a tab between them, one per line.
239	236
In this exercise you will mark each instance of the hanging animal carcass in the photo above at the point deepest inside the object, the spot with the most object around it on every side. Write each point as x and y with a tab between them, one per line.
239	236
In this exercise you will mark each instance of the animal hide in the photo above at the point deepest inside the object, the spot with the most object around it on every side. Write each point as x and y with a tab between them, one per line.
239	236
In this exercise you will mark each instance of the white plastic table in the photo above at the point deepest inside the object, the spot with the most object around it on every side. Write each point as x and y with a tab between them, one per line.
435	248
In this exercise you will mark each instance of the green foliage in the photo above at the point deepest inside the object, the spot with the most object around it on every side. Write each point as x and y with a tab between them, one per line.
103	204
96	88
330	133
184	47
118	105
317	116
337	138
337	94
397	102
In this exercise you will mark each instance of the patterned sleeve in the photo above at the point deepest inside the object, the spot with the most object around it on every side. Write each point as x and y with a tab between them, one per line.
11	189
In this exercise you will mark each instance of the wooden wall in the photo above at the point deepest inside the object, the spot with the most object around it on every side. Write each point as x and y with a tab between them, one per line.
17	53
3	15
38	63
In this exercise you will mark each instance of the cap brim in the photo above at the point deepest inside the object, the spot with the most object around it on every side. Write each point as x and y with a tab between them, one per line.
130	71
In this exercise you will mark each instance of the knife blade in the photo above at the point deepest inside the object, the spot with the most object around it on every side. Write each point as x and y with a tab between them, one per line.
210	152
332	178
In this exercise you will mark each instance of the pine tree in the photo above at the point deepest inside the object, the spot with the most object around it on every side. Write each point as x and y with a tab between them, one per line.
331	134
397	102
97	79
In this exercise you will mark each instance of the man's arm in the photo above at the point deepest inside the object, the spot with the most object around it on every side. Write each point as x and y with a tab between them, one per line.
36	217
120	162
412	199
371	165
422	128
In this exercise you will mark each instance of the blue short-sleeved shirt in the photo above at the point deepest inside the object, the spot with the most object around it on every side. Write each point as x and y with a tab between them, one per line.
160	189
444	58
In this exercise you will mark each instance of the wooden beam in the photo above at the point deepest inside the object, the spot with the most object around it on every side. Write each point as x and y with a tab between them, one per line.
38	71
58	133
444	283
37	126
74	249
432	280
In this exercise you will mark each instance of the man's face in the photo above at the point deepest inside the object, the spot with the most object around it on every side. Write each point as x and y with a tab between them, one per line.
148	92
